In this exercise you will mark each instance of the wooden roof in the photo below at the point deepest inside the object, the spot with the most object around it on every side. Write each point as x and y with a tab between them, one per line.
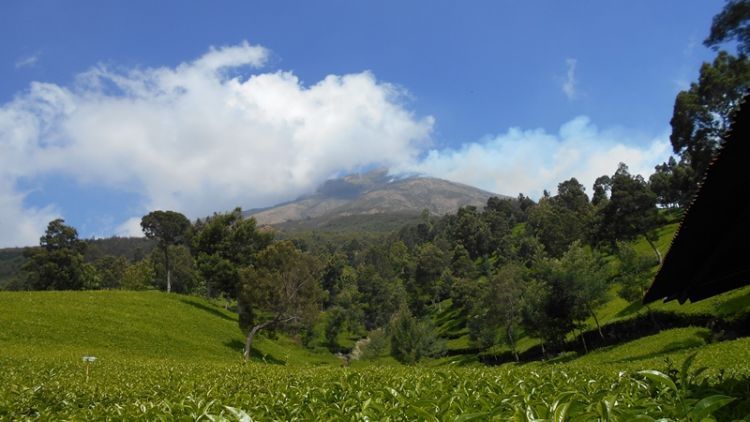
710	253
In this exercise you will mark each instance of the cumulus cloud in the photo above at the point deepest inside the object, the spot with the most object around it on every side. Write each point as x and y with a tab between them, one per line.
19	225
217	132
130	228
529	161
197	138
569	85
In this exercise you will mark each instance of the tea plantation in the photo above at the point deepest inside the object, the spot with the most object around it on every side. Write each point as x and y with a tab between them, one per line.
164	357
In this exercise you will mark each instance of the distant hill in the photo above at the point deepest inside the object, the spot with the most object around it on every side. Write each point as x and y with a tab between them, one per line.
390	201
11	260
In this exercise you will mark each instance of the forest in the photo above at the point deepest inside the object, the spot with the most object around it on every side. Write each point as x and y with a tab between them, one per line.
529	285
541	268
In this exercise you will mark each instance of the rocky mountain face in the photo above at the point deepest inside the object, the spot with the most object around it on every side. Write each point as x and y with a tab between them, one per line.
372	193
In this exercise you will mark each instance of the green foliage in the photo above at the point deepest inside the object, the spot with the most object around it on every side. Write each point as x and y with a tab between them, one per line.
131	248
58	262
702	114
498	308
282	291
732	23
412	339
430	263
221	245
629	213
377	344
380	297
183	276
673	183
138	276
468	229
169	228
187	368
560	220
111	270
634	273
155	390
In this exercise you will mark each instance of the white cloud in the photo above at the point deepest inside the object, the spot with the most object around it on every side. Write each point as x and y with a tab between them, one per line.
529	161
197	138
21	226
27	61
569	85
130	228
194	139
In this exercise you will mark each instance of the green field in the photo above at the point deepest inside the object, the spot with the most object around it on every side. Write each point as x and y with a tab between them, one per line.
165	356
126	324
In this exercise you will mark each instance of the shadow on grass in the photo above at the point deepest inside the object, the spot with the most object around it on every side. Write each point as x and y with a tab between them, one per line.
255	354
696	341
619	332
631	309
734	305
208	309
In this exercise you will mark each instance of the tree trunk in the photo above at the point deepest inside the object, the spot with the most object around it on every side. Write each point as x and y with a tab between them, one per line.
656	250
596	320
249	342
250	335
544	352
583	340
512	342
168	268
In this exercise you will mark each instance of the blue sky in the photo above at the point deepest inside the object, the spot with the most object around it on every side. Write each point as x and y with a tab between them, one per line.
111	109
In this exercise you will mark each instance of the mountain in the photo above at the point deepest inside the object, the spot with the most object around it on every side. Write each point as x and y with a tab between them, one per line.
373	196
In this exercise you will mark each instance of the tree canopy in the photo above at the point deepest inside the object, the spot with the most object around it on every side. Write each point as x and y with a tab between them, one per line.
58	262
169	228
282	290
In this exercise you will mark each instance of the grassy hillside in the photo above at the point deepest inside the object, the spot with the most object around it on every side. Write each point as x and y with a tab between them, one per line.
119	324
170	356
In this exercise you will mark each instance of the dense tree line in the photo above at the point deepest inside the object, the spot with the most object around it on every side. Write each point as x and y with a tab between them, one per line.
515	266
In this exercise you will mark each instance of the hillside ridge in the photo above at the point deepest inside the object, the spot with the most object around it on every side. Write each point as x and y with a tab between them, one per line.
375	192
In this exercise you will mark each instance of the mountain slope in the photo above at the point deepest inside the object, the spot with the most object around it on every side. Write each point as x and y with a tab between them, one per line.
375	193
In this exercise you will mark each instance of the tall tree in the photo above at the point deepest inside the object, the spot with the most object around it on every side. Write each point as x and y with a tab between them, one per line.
562	219
412	339
673	183
587	278
470	230
602	186
222	244
634	273
168	228
630	212
499	307
281	291
57	264
702	114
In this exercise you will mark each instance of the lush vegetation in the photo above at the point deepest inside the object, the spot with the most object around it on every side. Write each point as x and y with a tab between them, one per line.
115	325
555	282
152	390
188	365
